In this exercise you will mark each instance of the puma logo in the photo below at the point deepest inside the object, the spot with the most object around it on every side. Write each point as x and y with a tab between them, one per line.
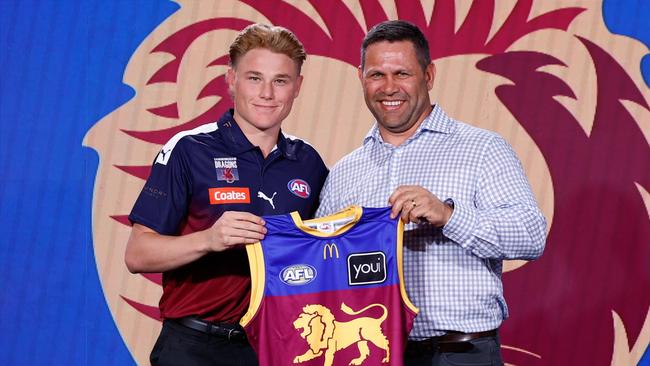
261	195
162	157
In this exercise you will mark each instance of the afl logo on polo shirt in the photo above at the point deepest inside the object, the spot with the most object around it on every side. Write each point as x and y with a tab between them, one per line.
226	195
299	187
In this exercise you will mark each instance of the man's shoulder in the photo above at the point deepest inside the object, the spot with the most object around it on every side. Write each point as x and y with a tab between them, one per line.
350	159
349	168
185	140
302	148
474	135
471	138
440	121
466	129
299	144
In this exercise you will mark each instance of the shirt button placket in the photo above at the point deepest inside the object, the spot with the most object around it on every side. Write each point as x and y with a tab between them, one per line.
393	169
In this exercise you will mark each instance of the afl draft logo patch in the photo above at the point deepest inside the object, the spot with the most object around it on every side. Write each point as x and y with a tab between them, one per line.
299	188
366	268
226	169
298	274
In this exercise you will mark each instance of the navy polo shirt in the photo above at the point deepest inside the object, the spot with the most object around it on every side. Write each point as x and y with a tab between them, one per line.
197	176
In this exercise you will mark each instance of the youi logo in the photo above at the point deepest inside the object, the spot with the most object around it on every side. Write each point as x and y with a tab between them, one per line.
299	187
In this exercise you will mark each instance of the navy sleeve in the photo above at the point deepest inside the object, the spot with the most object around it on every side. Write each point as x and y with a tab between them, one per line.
163	203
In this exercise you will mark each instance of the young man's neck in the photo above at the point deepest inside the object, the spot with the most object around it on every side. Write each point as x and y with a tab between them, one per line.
264	139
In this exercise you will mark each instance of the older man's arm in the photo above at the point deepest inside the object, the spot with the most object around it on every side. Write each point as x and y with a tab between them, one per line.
504	221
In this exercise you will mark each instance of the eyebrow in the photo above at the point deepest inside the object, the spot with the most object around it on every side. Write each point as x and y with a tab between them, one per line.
257	73
396	71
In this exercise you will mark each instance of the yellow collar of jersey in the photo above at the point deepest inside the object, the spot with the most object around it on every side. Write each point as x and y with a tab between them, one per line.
328	226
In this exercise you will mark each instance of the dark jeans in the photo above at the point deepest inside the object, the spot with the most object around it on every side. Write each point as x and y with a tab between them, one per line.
482	352
179	345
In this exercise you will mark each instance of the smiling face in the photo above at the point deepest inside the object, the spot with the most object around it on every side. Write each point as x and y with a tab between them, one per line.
264	85
396	88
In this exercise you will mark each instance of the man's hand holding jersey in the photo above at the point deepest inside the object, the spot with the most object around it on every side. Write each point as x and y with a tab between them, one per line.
235	228
416	204
149	251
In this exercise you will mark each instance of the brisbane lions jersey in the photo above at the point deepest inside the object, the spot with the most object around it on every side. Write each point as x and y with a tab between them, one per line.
329	291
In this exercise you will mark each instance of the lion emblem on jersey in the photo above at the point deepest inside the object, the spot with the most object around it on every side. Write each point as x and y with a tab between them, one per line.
324	334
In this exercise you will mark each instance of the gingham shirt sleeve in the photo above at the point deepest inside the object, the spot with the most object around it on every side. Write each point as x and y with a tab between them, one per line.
503	222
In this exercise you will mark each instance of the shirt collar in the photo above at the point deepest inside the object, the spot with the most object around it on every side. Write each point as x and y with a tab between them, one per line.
239	143
436	121
288	148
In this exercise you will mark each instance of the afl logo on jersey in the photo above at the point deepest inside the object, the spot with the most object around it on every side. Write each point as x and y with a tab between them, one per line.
298	274
299	187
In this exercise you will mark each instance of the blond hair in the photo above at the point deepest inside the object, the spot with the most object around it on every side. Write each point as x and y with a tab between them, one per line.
274	38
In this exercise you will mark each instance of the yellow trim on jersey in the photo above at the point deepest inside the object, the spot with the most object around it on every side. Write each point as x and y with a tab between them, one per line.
352	212
400	266
256	263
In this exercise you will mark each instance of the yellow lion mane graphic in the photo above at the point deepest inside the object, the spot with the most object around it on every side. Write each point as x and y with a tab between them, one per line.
324	334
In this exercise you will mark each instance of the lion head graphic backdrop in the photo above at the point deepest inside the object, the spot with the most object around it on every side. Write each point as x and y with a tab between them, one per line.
546	75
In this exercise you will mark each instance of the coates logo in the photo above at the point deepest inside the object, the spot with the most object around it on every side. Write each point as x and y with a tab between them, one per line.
298	274
546	75
229	195
299	187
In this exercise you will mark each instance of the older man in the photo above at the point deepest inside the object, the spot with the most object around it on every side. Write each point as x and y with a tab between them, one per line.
462	189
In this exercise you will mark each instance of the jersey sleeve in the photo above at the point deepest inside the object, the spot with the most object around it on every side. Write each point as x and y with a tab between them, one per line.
163	202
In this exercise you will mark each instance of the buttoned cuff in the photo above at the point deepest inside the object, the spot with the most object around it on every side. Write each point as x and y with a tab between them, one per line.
461	224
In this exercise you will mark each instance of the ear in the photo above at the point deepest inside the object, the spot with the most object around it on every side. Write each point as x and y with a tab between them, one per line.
430	75
230	80
298	85
360	73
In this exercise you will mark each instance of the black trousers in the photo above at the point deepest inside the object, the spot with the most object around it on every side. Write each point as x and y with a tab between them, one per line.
182	346
479	352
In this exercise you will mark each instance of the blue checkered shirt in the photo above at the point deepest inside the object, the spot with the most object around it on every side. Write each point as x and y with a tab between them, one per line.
453	274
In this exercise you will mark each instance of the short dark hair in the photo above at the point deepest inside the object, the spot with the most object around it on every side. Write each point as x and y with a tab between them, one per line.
394	31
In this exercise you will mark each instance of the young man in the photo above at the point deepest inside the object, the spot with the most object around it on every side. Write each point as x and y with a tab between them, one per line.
203	201
462	189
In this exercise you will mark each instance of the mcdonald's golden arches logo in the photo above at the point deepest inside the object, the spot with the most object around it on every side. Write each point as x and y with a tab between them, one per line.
330	249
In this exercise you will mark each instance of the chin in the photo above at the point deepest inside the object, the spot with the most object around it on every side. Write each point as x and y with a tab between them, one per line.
394	126
266	124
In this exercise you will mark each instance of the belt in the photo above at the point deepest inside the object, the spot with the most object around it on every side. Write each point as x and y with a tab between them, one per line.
450	342
232	332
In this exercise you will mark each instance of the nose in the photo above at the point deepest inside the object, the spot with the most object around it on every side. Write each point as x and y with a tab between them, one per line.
267	90
390	86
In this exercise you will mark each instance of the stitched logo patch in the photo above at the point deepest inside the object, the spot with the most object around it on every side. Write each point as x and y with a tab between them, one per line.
226	169
299	187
